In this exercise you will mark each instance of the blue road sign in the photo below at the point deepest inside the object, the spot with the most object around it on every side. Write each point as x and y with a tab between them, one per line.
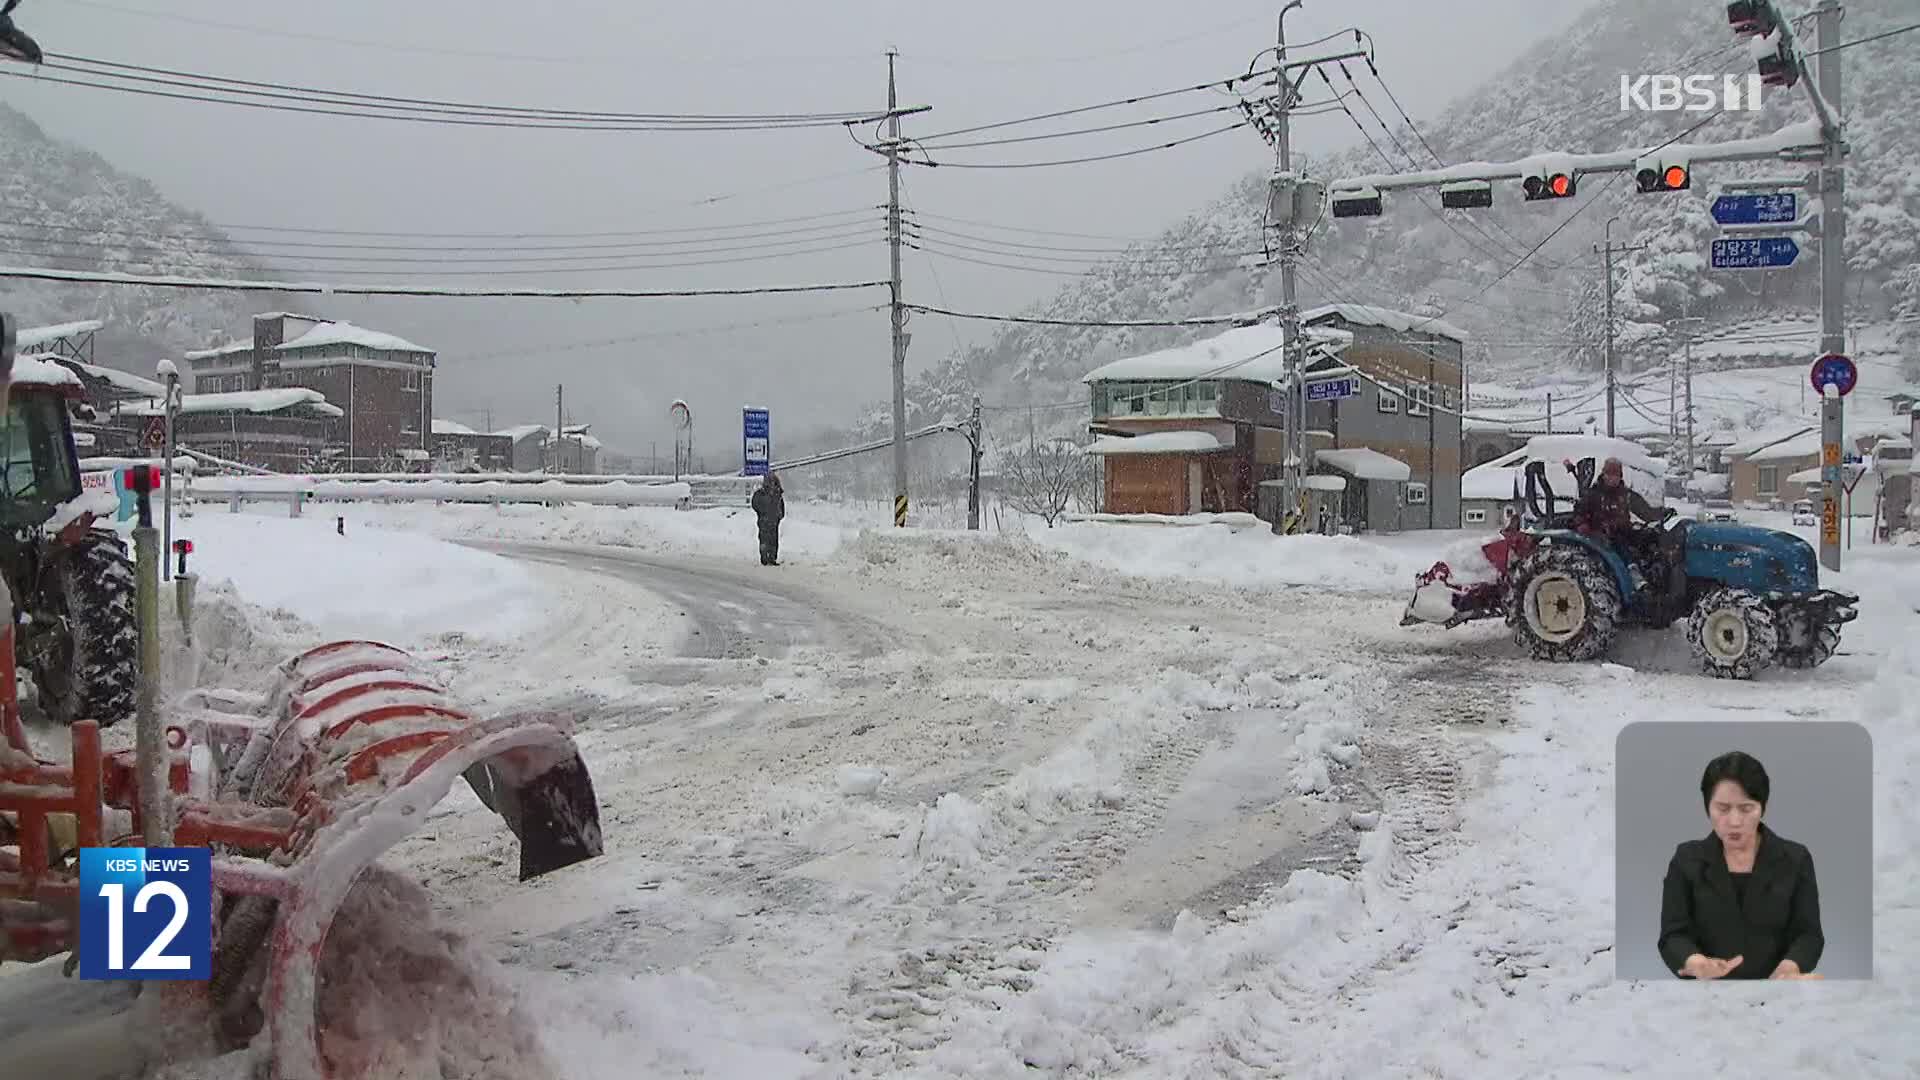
1755	253
756	435
1757	209
1835	370
1334	389
146	913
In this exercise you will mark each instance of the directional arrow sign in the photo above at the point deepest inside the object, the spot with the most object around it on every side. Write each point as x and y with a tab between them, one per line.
1755	253
1756	209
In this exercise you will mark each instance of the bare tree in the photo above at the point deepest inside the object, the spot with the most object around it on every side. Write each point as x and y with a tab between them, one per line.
1045	479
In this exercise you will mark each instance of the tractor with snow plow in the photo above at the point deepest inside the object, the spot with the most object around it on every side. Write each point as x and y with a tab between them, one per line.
295	793
1750	597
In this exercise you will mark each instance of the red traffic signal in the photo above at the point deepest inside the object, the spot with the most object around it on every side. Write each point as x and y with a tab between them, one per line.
184	547
142	479
1663	178
1555	185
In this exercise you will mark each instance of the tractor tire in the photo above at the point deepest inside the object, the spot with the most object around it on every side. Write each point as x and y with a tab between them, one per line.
90	669
1733	634
1563	605
1804	643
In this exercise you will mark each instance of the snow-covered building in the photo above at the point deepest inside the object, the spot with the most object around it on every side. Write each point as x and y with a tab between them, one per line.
575	451
1762	469
1201	428
382	383
527	447
285	430
459	448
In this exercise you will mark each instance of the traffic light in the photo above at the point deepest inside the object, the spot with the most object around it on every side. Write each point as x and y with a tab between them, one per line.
1654	175
1757	19
1356	202
1751	18
1466	194
1551	184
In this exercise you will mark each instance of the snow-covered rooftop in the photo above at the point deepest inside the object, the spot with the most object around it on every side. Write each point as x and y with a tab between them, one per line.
1364	464
1500	478
1753	445
1159	442
1248	353
35	336
250	401
123	380
452	427
345	333
1399	321
34	371
522	431
228	349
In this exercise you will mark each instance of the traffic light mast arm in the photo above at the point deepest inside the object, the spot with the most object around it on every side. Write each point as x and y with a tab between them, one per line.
1803	138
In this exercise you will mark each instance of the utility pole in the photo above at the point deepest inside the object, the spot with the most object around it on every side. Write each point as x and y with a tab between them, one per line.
1607	269
1833	264
1685	371
899	312
1293	464
973	471
559	422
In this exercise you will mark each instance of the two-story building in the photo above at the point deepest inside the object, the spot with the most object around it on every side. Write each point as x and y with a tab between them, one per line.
1200	428
1411	387
383	384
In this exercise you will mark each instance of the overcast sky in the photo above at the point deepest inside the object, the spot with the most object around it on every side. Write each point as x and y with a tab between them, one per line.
974	62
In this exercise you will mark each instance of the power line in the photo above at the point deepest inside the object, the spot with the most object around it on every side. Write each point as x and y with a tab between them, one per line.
454	121
440	256
657	335
1034	320
1145	256
1079	160
1088	269
1149	122
287	91
1865	40
1136	246
96	277
1134	100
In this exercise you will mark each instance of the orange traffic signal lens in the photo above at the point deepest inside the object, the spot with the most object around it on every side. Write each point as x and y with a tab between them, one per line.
1561	183
1676	177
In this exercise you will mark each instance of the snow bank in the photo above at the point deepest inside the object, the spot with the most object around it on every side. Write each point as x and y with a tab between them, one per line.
1254	557
399	587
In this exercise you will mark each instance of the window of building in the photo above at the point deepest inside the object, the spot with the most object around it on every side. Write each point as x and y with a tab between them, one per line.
1769	480
1416	494
1417	400
1389	401
1475	517
413	380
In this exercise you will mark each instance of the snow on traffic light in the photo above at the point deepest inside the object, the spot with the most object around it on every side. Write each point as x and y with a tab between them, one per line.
1356	202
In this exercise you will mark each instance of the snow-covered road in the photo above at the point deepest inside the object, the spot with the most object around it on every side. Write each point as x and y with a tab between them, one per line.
939	805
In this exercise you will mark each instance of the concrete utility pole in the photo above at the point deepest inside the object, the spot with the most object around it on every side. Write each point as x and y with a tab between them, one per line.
559	423
1833	267
1294	464
973	472
899	312
1684	424
1607	269
171	374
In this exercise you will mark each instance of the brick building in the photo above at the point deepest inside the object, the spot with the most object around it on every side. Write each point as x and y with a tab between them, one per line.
382	384
284	430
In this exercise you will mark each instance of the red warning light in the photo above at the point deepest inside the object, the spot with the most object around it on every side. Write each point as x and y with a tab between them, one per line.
1562	184
1676	178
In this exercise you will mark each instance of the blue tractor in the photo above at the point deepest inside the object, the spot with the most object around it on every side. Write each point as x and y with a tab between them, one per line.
1750	597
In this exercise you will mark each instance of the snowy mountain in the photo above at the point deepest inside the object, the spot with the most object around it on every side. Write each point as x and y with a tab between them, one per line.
1544	321
68	208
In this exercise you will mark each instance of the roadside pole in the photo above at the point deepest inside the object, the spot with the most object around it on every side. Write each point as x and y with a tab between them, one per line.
150	748
172	376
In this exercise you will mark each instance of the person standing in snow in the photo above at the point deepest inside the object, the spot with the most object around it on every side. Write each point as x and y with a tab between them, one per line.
769	506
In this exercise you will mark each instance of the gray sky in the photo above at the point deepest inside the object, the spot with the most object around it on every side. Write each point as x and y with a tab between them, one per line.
975	62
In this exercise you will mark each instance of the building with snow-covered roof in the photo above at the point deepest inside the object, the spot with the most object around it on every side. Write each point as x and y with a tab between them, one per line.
286	429
1402	377
1762	468
382	382
459	448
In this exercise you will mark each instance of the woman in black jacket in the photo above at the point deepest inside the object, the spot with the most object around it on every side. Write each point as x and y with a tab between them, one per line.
1742	903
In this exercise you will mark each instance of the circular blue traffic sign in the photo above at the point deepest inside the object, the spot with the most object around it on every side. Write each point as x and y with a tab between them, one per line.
1836	371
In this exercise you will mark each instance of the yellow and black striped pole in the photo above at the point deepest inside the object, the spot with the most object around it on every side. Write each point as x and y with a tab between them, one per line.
899	511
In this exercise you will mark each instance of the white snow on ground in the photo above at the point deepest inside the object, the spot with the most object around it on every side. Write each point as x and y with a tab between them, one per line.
399	587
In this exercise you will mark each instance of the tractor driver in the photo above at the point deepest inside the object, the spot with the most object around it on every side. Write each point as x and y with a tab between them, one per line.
1608	510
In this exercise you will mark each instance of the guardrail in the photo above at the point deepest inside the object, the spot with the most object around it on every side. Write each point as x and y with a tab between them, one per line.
237	490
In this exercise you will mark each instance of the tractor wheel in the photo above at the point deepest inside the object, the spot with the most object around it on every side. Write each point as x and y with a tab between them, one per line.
88	665
1805	643
1733	634
1563	605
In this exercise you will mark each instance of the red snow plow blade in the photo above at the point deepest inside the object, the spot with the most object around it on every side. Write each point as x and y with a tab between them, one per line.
296	796
1437	598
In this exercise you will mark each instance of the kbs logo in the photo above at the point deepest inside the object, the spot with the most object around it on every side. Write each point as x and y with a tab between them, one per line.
146	913
1694	93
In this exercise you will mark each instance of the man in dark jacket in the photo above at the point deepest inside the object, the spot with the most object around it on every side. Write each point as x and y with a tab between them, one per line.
769	506
1608	510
